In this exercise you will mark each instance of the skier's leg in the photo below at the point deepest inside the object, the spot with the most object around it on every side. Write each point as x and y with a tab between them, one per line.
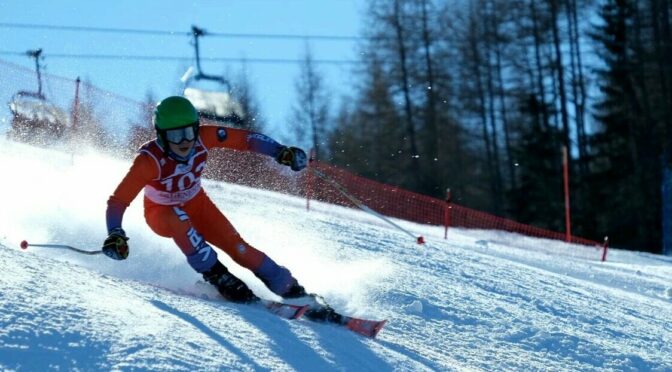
220	232
173	222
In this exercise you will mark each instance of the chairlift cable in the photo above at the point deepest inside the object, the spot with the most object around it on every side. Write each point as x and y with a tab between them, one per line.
179	33
178	58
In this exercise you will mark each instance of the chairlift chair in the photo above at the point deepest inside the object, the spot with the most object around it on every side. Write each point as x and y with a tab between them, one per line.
217	106
34	119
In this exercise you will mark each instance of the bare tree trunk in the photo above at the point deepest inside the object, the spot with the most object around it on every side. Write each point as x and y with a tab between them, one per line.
561	75
663	41
408	107
493	119
573	44
532	89
656	16
502	100
646	152
540	70
581	107
430	118
480	91
667	52
310	115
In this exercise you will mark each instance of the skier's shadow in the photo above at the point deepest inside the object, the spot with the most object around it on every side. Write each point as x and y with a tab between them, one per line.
288	348
357	357
328	348
207	331
330	340
297	353
286	345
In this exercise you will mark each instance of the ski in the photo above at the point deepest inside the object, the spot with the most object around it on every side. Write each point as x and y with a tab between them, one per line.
364	327
314	308
286	311
368	328
283	310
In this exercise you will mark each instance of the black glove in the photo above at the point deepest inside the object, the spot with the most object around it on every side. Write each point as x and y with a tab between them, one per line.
115	245
293	157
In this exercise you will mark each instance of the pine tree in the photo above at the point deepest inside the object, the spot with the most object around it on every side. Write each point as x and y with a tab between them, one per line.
539	185
621	191
367	138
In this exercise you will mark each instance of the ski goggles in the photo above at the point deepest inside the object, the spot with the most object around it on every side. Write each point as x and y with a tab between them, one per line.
178	135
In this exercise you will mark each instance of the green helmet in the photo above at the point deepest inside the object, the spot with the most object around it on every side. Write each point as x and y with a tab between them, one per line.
174	112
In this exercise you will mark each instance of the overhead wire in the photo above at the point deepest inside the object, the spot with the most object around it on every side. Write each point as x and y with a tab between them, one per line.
178	58
178	33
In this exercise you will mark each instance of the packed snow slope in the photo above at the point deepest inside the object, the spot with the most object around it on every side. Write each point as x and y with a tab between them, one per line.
477	301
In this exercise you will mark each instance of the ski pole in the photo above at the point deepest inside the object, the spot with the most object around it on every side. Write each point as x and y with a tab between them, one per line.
25	245
362	206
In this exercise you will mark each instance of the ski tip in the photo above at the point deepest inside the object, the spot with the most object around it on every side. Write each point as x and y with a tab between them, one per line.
378	328
368	328
24	244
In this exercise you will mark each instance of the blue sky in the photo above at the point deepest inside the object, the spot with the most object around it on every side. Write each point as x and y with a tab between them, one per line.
273	82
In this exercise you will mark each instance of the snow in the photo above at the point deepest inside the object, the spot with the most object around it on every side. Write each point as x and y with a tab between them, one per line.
480	300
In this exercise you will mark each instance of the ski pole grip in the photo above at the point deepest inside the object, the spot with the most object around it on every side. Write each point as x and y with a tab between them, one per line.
24	244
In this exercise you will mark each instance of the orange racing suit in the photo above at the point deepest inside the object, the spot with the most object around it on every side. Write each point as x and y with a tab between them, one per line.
177	207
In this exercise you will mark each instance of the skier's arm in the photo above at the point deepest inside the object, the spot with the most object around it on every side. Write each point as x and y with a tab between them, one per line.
244	140
142	171
238	139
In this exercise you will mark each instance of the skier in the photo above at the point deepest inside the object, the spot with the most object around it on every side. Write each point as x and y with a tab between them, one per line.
169	169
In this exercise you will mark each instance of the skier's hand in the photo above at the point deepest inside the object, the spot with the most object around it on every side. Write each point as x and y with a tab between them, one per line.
115	245
293	157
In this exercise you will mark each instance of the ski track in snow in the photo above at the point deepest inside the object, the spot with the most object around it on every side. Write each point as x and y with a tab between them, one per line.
480	300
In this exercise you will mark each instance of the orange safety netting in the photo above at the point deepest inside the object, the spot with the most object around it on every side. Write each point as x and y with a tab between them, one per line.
396	202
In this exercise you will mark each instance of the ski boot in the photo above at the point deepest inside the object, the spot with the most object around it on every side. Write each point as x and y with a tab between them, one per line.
228	285
295	291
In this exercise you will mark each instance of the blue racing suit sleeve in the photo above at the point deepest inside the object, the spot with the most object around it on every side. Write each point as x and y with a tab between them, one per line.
114	214
264	145
239	139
